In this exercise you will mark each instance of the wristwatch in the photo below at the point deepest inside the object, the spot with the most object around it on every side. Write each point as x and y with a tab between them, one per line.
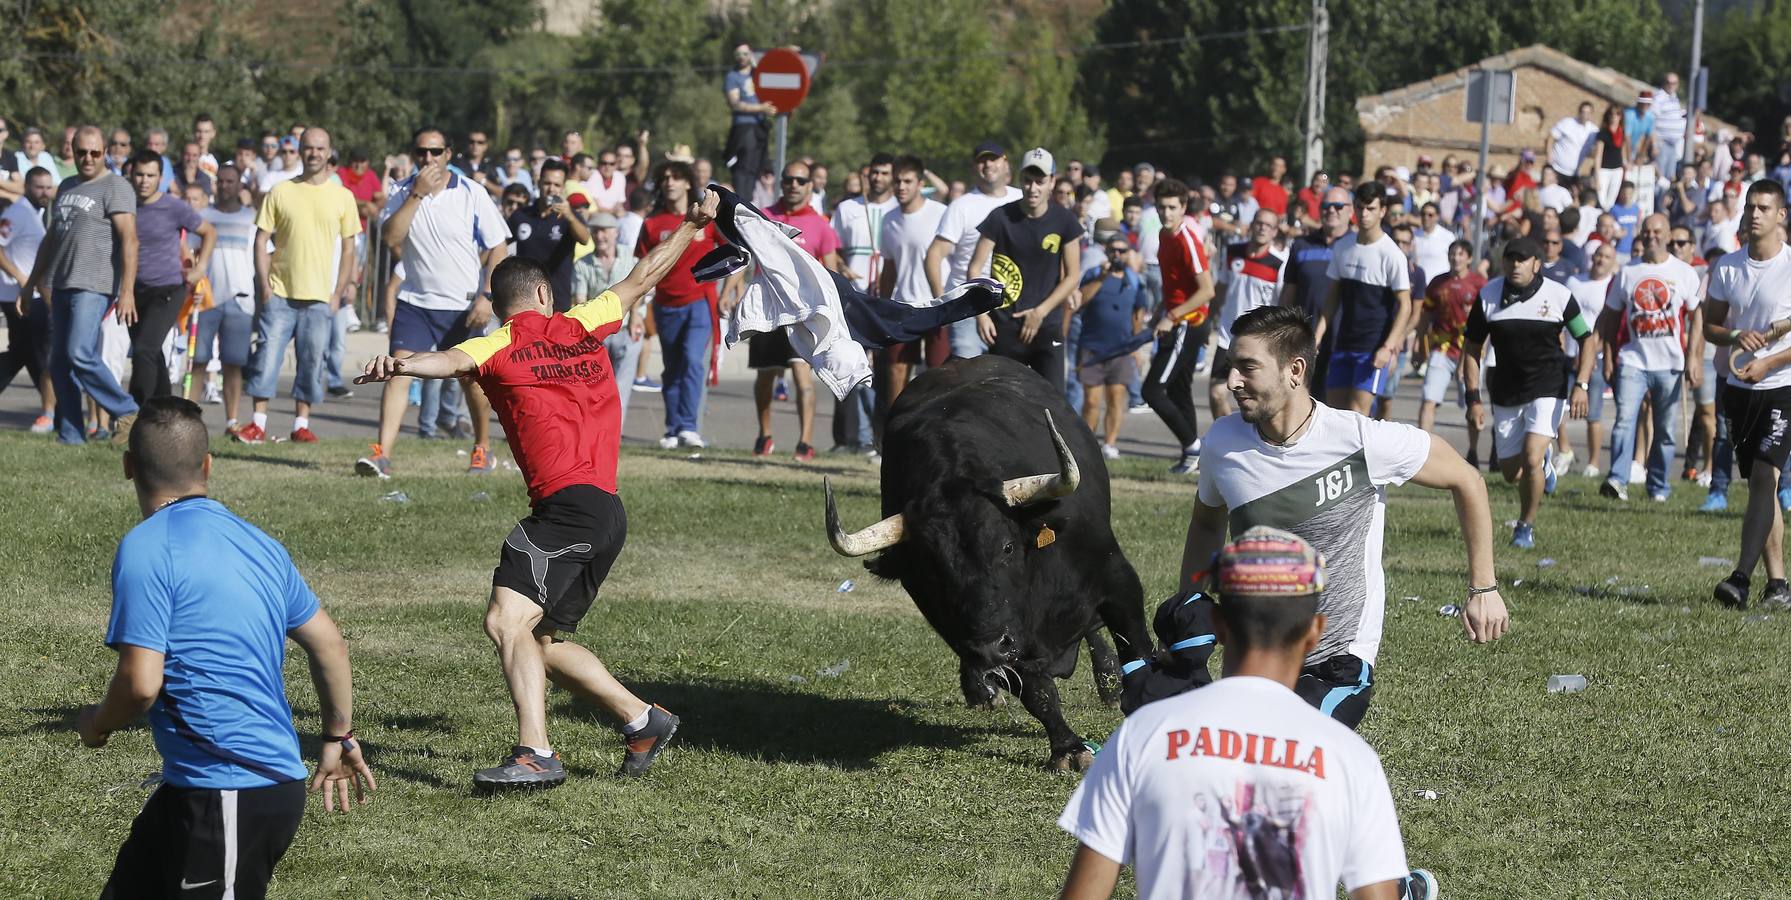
1584	386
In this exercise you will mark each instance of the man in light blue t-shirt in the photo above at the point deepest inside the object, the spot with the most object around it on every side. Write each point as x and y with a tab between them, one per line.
202	605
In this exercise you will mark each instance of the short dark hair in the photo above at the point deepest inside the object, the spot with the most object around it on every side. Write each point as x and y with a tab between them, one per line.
555	164
514	281
1370	191
1768	187
143	157
168	443
580	159
1131	201
40	171
1405	227
1284	328
427	129
910	163
203	117
1430	206
678	170
883	159
357	155
1464	246
1265	623
1169	187
515	189
1569	219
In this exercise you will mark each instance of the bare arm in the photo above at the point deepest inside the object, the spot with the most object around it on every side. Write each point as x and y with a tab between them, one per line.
40	282
1069	266
1206	537
397	227
938	184
1203	294
1483	616
937	252
886	282
124	228
1402	312
1092	876
739	105
1380	890
1326	313
12	271
659	261
340	764
135	684
449	363
264	264
208	238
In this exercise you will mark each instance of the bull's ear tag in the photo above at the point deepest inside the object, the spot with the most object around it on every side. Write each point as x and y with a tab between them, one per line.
1046	538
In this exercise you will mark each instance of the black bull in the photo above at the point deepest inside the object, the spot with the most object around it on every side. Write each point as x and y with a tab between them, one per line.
998	524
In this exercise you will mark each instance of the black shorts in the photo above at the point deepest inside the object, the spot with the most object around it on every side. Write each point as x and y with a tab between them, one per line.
1221	368
205	843
559	555
1340	687
770	350
1757	421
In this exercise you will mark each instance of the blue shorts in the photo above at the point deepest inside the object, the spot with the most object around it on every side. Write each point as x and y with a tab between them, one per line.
420	330
232	328
1355	371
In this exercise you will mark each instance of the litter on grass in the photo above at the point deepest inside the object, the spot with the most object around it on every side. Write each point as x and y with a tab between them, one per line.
1716	562
1413	599
481	497
846	586
1450	610
835	670
1566	684
1544	563
396	497
1425	795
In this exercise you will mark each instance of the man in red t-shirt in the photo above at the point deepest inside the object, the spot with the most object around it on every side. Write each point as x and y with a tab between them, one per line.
770	353
360	179
1443	322
548	376
1182	327
683	309
1267	189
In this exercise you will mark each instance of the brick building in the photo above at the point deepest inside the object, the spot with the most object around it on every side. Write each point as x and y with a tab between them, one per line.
1430	117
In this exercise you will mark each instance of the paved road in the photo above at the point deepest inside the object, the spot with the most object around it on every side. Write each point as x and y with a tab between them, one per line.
729	419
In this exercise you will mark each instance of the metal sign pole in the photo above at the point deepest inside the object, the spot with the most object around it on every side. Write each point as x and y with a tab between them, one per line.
783	135
1480	187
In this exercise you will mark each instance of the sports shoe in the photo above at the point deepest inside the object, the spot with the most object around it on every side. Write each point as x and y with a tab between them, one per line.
1777	595
1638	474
1704	478
303	436
375	464
250	434
1564	461
692	440
1420	885
1523	537
1591	471
1784	495
1690	473
43	425
1139	409
1614	489
214	394
1548	472
804	453
645	745
669	442
1108	451
646	384
780	392
523	768
1189	464
1715	503
479	462
1732	591
1658	498
763	446
340	392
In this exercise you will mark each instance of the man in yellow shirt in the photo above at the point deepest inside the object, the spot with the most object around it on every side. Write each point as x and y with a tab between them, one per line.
312	221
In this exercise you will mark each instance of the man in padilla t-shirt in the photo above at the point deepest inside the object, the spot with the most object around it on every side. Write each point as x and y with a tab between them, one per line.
1241	789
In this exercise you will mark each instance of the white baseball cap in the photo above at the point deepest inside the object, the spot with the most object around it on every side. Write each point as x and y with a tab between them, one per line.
1039	158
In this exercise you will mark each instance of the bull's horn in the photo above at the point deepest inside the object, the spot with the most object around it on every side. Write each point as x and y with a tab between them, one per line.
1034	488
881	536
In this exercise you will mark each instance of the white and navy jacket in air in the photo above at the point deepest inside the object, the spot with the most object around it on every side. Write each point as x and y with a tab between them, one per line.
830	322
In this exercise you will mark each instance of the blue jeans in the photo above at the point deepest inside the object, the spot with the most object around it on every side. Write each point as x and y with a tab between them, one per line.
965	342
1072	388
1634	385
684	335
332	355
76	366
443	403
624	359
305	324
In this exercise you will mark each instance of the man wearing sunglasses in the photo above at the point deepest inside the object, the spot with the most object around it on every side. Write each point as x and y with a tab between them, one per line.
118	151
286	166
89	257
1307	281
515	170
1367	308
770	352
312	222
451	236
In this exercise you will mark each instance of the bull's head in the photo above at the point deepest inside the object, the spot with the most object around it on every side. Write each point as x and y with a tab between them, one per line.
965	566
1015	492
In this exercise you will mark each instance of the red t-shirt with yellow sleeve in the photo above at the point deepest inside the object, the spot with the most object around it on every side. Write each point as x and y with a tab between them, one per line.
549	379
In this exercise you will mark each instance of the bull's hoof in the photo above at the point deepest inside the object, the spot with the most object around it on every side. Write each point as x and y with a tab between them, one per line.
993	701
1072	761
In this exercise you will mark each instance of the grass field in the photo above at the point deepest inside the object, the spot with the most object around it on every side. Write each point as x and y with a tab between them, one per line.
1665	778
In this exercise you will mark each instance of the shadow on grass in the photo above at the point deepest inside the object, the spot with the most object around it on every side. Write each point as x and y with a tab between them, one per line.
50	720
265	459
769	722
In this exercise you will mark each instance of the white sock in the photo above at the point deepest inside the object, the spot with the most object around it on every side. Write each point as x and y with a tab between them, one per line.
301	422
260	420
543	752
229	423
639	722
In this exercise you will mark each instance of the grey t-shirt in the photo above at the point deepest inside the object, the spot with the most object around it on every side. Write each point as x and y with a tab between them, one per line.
86	255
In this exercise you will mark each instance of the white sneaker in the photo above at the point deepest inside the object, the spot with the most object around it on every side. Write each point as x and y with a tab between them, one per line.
213	394
1703	479
668	442
1638	474
691	439
1108	451
1564	461
1591	471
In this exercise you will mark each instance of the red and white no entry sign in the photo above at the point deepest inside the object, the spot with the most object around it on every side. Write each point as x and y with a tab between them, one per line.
782	78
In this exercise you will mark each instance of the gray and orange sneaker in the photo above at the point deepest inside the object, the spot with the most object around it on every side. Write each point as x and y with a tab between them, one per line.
523	768
375	464
644	746
480	462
